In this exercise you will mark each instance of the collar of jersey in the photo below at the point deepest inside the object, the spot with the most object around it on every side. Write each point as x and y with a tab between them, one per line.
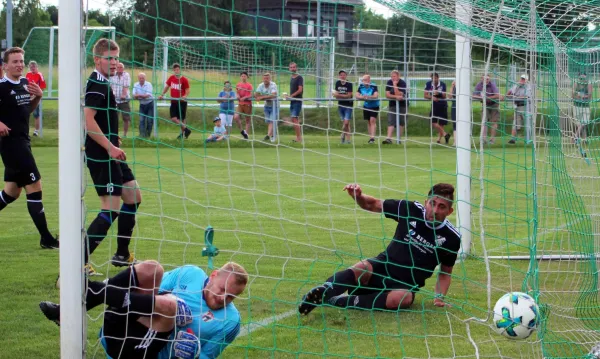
428	224
100	75
11	81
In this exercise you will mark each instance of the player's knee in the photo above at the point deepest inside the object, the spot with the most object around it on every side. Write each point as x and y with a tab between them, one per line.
399	300
7	196
149	274
362	272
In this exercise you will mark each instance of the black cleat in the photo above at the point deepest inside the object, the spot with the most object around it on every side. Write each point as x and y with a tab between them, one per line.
51	311
447	138
122	261
49	243
387	141
187	132
245	134
312	299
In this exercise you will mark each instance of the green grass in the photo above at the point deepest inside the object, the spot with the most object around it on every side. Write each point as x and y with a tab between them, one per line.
281	212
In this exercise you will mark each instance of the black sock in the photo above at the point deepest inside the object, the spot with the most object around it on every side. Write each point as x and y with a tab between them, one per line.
5	200
36	211
125	227
117	297
98	230
365	301
340	282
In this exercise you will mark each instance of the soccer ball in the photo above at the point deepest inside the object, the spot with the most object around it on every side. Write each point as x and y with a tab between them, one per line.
516	315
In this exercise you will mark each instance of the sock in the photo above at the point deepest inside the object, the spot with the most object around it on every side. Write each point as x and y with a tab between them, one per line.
5	200
36	211
365	301
340	282
104	293
125	227
98	230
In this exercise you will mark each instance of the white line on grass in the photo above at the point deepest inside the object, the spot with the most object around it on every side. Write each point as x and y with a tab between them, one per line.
249	328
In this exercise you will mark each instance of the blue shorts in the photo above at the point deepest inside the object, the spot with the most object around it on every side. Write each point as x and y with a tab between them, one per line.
36	111
295	108
345	113
270	114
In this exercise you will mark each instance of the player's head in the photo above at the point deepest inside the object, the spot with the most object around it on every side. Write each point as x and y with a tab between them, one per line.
395	75
120	68
266	78
435	77
486	79
33	67
439	202
227	85
142	78
14	62
342	74
106	56
224	285
293	67
366	80
244	76
524	78
176	69
217	121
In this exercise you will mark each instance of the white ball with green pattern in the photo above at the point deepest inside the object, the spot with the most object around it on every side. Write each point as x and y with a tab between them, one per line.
516	315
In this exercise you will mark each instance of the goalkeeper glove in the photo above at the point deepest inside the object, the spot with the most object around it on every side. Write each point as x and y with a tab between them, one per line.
187	345
184	313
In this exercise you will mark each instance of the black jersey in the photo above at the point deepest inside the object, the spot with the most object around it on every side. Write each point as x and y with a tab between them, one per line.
15	108
418	246
99	96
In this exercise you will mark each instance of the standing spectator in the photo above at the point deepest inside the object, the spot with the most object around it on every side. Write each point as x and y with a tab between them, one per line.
520	94
244	95
343	92
492	105
267	91
369	93
296	91
120	84
226	107
34	76
142	91
582	96
435	90
452	96
395	91
180	90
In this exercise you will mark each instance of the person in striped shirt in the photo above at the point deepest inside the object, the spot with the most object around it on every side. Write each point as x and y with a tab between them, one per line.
35	76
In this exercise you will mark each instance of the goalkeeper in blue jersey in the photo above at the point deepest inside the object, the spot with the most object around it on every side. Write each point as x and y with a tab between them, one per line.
216	320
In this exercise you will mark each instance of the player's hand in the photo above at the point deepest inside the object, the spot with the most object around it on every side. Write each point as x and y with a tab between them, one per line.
120	141
187	345
439	302
4	130
184	313
161	97
116	153
353	190
34	89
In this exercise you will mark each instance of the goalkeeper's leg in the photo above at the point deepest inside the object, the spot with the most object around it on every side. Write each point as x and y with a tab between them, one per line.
391	300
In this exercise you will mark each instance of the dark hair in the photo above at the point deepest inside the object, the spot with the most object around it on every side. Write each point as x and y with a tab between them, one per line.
342	71
443	190
176	65
435	74
12	50
226	82
244	73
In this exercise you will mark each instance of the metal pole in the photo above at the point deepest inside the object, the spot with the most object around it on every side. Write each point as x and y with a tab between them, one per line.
397	122
319	94
9	23
51	61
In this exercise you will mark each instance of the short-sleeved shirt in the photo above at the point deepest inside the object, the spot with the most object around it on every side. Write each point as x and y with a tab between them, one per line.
490	90
118	83
520	90
15	108
418	246
145	89
369	91
401	87
227	107
178	85
295	83
268	90
244	90
440	88
344	89
219	131
215	328
99	96
37	78
582	89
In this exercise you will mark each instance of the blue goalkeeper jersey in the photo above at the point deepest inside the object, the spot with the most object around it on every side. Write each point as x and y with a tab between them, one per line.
215	328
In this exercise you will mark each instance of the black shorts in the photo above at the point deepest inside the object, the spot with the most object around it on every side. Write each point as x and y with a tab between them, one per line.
178	110
370	112
387	277
439	116
109	176
19	164
453	113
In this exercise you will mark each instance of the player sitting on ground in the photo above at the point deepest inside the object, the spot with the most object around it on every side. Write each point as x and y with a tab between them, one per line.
210	298
424	238
138	321
218	132
18	98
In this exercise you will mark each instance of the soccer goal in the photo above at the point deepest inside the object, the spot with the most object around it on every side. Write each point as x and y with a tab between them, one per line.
522	154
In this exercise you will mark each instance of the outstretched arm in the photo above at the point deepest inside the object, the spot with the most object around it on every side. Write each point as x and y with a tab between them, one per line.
443	283
365	202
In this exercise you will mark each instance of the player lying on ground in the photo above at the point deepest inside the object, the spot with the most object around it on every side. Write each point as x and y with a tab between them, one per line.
18	98
138	321
424	238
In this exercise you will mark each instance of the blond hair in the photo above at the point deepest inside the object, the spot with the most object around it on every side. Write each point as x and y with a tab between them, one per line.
102	46
267	74
395	72
239	273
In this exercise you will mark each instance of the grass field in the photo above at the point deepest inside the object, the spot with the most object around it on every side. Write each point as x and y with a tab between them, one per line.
280	211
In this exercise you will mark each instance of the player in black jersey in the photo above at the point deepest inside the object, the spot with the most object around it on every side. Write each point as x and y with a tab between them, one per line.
111	175
18	98
424	238
138	321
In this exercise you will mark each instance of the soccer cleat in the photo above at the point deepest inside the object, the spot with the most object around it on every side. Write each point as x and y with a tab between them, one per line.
122	261
312	299
245	134
267	138
90	271
35	133
512	141
187	132
49	243
447	138
387	141
371	141
51	311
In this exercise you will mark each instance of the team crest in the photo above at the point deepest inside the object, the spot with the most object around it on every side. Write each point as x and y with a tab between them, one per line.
439	240
208	316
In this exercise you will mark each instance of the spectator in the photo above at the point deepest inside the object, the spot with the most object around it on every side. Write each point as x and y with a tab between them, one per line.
296	91
36	77
369	93
343	92
180	90
435	90
452	96
219	131
520	93
226	107
267	91
582	96
1	68
120	84
244	96
142	91
395	91
492	105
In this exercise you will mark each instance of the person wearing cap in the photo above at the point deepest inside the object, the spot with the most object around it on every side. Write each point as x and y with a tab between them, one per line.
520	94
218	132
343	92
582	96
492	105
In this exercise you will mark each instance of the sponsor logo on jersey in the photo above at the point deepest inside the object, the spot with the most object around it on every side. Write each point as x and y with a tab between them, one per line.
413	224
208	316
12	92
183	286
439	240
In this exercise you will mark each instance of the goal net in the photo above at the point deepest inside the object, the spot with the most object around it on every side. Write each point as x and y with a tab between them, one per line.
525	205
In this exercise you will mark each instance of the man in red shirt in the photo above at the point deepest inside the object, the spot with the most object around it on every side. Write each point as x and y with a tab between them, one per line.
34	76
180	89
244	95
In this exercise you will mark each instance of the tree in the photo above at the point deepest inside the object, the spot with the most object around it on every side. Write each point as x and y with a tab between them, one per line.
26	15
53	12
365	18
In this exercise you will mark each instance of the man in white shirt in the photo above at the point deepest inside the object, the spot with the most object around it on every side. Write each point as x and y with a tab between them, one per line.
120	84
142	91
267	91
